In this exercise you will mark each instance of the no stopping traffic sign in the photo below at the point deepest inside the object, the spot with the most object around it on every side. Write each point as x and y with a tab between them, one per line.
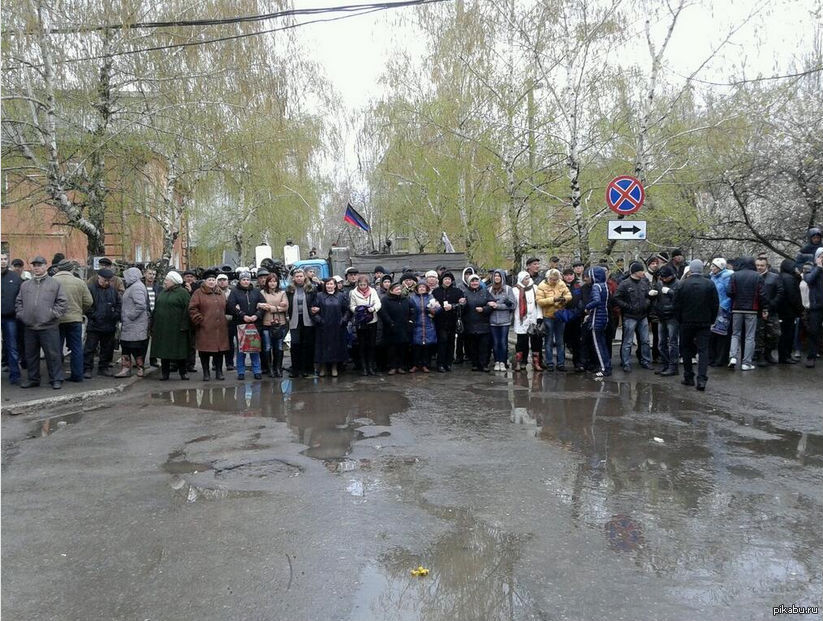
625	195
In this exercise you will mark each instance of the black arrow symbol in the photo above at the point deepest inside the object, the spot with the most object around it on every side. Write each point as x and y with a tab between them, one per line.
622	229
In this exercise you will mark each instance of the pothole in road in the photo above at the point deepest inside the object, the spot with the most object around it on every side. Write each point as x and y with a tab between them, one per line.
47	426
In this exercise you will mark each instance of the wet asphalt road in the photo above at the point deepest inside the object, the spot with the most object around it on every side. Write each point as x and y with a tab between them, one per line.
527	497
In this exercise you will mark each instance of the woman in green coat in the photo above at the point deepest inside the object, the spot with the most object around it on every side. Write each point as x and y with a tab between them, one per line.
170	326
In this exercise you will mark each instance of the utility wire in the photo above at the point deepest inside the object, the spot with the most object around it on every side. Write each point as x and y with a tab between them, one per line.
349	8
350	13
785	76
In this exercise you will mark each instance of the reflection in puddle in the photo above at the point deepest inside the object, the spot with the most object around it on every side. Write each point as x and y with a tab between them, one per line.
681	486
472	577
49	425
328	422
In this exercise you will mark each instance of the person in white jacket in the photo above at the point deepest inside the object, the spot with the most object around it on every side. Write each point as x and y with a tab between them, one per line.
527	314
364	303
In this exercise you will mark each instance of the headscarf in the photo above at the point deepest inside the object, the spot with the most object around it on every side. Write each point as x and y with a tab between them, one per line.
175	277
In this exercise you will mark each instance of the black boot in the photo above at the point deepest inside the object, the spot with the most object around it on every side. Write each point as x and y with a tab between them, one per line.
270	359
206	374
278	363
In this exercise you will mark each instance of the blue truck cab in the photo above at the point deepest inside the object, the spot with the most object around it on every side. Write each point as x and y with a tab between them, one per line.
320	266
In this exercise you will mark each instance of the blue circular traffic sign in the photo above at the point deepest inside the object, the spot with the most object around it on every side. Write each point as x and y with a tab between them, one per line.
625	195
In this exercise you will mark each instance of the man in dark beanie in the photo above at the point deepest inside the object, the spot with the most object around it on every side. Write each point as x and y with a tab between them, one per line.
677	263
695	305
633	298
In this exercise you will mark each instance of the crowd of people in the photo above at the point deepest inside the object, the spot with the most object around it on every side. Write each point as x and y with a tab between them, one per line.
742	313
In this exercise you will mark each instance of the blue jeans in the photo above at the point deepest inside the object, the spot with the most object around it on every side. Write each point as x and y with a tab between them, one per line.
241	363
500	342
72	333
669	342
12	355
271	340
630	326
555	330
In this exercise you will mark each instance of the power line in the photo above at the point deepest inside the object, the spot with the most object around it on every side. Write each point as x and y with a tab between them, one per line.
349	10
784	76
353	8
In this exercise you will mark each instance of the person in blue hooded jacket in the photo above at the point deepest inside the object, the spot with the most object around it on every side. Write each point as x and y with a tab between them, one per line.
814	317
719	344
597	318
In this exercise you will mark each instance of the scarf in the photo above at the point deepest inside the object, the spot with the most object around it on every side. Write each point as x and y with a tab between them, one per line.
522	303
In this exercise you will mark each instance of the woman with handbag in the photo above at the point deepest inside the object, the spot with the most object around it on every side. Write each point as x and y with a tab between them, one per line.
247	319
364	303
527	324
207	311
275	305
330	337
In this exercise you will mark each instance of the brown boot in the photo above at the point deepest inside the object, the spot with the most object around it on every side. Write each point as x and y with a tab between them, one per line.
139	366
536	362
518	361
125	367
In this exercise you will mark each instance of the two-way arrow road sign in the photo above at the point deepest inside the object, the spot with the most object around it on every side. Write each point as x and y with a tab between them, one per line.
625	229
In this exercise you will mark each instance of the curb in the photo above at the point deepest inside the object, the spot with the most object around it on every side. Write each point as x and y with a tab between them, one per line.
26	407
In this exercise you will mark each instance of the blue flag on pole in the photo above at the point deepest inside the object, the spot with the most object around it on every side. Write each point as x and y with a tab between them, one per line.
355	219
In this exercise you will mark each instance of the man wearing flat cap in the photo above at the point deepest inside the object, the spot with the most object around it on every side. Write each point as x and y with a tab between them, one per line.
71	324
106	264
39	305
103	315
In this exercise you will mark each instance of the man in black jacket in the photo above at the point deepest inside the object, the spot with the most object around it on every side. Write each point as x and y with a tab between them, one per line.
790	308
744	291
768	322
632	297
695	306
103	317
10	289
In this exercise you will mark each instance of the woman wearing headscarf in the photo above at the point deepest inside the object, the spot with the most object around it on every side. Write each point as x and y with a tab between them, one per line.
364	303
134	317
330	334
207	311
275	305
302	310
501	318
170	326
424	308
476	329
526	323
242	304
395	314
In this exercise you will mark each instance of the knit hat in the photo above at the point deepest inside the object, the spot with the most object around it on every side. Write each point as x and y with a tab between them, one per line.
409	276
677	253
173	276
105	273
667	271
818	252
222	277
211	274
385	278
521	276
447	275
636	266
719	263
66	265
380	269
473	277
243	275
696	266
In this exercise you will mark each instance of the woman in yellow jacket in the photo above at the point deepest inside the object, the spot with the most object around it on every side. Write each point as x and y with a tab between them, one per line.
553	295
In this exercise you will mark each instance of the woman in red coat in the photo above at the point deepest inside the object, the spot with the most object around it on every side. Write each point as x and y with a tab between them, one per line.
207	310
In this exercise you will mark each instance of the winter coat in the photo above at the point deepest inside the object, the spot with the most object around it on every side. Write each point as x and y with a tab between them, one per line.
696	301
105	309
116	283
134	314
771	291
369	299
663	303
395	314
447	320
502	315
546	294
474	322
330	334
207	311
40	303
721	283
78	295
632	297
244	301
791	305
170	324
598	306
424	331
744	288
527	297
9	291
814	279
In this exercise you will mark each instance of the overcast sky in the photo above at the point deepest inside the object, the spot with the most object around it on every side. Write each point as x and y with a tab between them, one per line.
353	51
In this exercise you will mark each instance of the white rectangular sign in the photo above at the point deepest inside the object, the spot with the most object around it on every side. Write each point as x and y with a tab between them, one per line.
627	229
